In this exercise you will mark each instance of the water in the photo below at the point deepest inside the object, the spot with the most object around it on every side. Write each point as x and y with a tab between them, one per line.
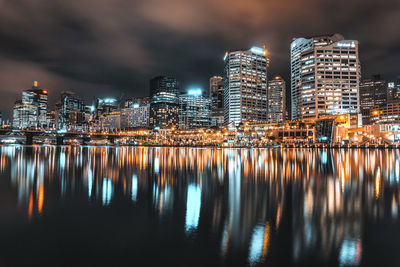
97	206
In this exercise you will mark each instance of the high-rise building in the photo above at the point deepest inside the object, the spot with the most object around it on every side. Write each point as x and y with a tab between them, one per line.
106	105
216	84
245	86
90	115
387	114
128	103
194	110
391	91
373	95
110	121
31	111
52	119
164	101
24	115
217	100
394	90
38	98
1	119
325	75
71	112
296	48
135	116
141	100
276	100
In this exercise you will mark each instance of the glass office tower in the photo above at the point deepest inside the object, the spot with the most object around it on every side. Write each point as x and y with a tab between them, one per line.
325	76
164	102
245	86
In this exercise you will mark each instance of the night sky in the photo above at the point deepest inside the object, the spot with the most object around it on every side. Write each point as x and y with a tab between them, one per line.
113	47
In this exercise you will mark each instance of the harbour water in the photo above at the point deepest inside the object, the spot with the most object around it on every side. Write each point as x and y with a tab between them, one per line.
149	206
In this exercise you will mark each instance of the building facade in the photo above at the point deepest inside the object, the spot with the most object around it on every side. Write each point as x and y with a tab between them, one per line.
24	115
296	48
106	105
164	102
325	75
217	100
52	119
194	110
276	100
245	86
110	121
394	90
31	110
141	100
71	115
136	100
373	95
135	116
388	114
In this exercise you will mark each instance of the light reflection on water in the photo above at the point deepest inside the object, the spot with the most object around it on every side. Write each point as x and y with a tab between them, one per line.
244	206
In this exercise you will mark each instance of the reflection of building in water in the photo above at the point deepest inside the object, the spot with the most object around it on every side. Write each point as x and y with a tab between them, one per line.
3	162
66	170
334	201
248	199
193	205
107	191
256	196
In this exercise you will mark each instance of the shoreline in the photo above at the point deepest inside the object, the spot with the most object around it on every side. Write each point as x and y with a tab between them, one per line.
317	146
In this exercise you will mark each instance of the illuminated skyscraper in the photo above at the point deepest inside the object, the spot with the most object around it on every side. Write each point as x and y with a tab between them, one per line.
325	75
373	94
391	91
24	115
135	116
144	100
106	105
52	119
128	103
394	90
217	100
216	84
276	100
194	110
245	86
110	121
31	111
164	101
71	112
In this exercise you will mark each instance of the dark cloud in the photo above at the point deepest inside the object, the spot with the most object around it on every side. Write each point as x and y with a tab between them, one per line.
102	47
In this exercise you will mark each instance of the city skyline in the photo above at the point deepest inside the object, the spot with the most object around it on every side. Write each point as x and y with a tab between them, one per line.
205	90
82	50
237	95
